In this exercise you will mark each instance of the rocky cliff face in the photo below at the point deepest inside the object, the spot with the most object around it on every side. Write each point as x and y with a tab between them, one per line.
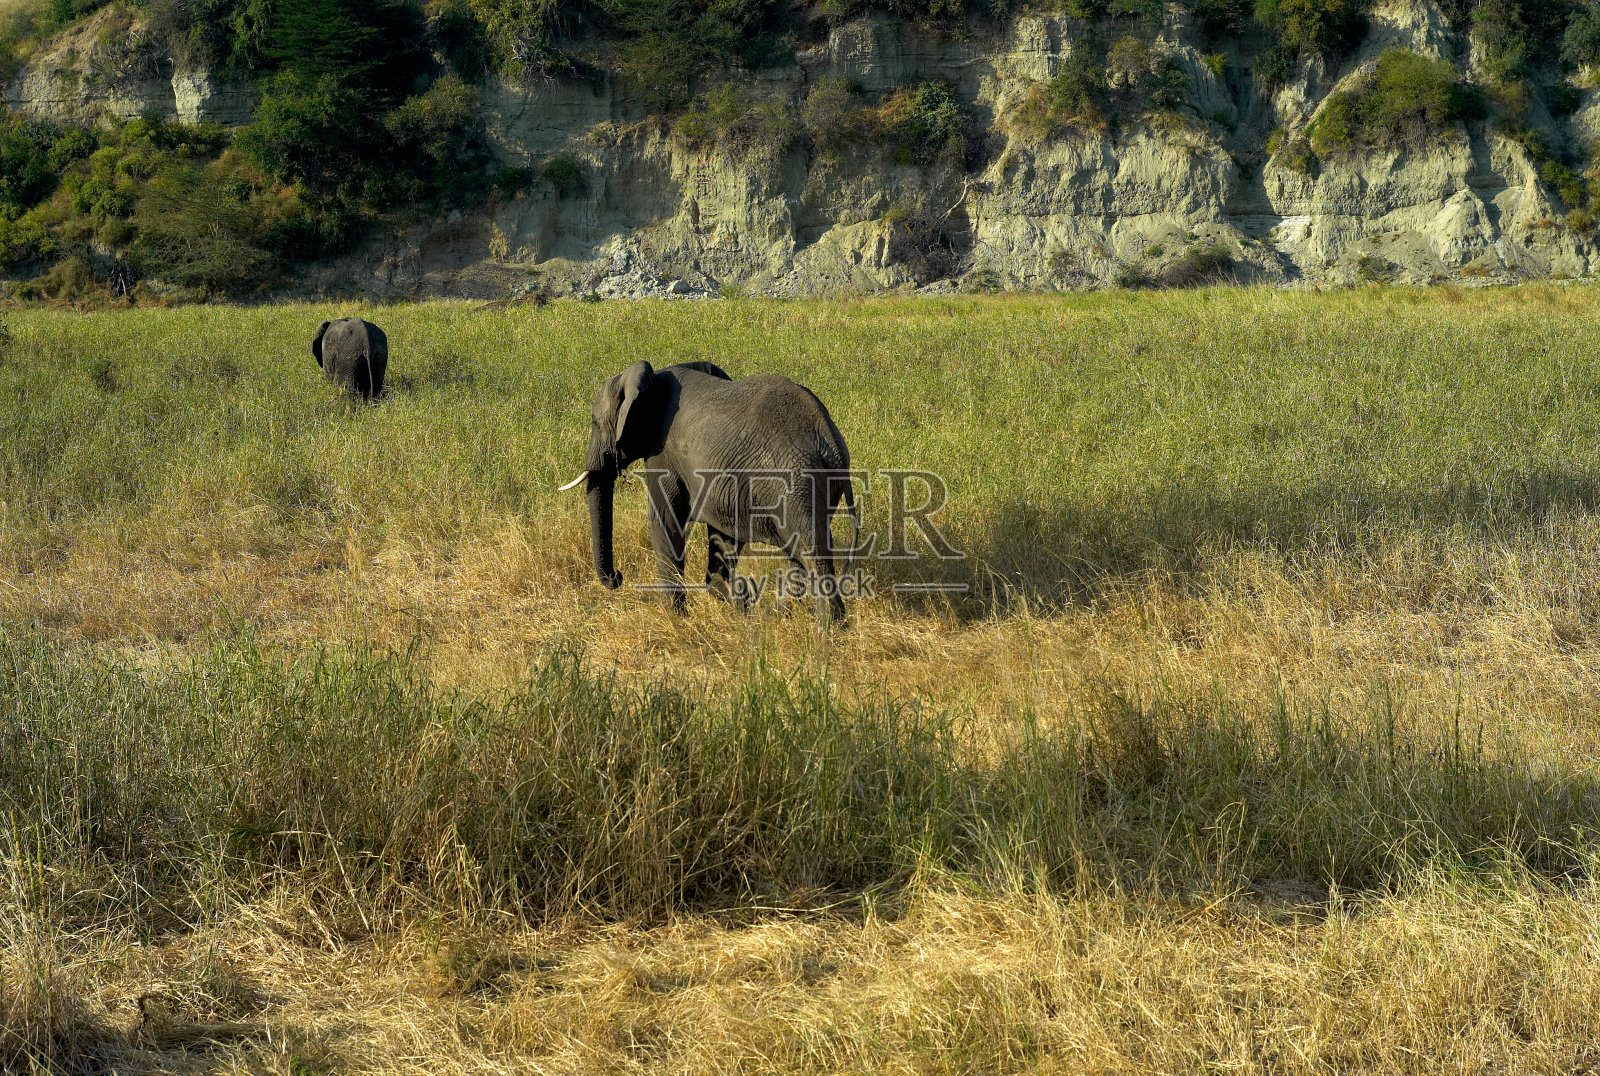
654	214
108	68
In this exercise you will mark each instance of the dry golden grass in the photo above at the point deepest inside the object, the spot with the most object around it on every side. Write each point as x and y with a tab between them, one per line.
1442	978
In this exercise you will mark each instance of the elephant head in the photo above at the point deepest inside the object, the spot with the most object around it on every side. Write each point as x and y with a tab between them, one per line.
624	427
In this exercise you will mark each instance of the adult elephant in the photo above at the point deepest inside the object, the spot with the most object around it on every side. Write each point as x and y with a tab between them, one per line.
755	460
353	353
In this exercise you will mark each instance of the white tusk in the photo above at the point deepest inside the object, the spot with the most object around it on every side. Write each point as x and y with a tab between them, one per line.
574	482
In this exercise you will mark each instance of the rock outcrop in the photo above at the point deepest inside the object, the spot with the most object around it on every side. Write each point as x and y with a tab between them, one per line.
108	68
657	215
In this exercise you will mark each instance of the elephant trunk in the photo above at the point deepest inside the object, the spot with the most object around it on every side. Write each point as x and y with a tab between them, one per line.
599	493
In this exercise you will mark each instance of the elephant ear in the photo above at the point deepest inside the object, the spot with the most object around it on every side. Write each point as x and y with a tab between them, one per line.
316	341
635	380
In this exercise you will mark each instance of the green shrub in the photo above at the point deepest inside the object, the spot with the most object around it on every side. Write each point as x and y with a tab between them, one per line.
460	35
931	12
97	190
1127	61
102	193
70	279
661	54
1324	27
160	202
1133	278
1074	99
1274	65
1581	43
518	35
1156	78
508	182
1203	263
1570	187
1374	270
564	175
192	231
1407	98
309	132
1224	18
1295	154
323	136
924	123
836	116
1299	157
1499	27
63	12
373	46
22	239
33	155
920	240
23	23
1519	37
737	121
1532	139
206	33
437	122
666	45
1563	99
1167	84
438	141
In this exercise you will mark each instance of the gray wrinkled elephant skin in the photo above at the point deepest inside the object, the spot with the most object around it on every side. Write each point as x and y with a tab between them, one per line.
759	441
353	353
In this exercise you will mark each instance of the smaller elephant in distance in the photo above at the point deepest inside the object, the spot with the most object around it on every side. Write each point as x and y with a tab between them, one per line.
353	353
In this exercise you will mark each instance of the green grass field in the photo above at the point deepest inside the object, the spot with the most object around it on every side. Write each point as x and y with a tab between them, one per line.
1264	739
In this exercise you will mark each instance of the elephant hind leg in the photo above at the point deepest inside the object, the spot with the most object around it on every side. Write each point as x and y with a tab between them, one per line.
722	564
827	582
813	555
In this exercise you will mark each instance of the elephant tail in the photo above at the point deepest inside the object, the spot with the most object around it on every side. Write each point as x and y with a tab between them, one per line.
848	499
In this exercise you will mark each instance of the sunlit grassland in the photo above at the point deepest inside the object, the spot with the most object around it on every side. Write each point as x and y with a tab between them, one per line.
1264	739
1241	486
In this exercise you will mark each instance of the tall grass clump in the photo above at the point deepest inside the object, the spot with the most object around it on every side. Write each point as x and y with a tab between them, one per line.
366	786
47	1023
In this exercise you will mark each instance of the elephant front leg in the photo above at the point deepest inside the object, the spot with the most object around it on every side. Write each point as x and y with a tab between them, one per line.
722	562
669	526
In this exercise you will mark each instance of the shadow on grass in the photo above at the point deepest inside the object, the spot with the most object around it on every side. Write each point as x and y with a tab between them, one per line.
1055	556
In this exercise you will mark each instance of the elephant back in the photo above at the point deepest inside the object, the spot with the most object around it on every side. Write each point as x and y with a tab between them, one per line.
795	418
